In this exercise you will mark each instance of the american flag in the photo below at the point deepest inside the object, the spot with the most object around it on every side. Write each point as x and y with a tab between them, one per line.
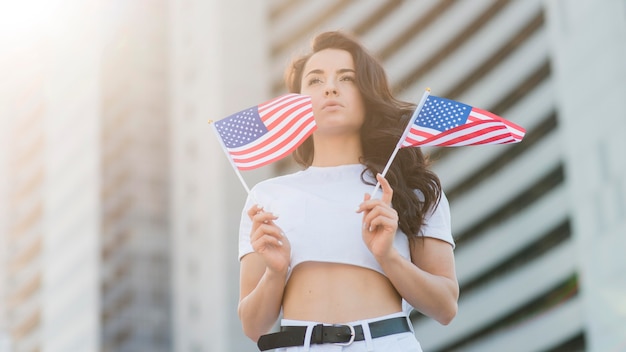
268	132
448	123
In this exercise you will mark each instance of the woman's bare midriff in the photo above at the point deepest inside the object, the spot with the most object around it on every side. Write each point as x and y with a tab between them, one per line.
338	293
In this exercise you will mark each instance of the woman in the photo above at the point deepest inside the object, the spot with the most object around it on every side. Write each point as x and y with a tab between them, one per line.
341	266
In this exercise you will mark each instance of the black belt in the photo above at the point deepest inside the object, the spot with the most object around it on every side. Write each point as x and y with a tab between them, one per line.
338	334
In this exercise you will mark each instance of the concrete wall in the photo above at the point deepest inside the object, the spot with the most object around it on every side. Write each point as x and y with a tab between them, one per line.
588	43
218	66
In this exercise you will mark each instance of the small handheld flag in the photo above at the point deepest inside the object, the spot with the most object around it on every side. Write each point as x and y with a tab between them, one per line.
268	132
448	123
265	133
441	122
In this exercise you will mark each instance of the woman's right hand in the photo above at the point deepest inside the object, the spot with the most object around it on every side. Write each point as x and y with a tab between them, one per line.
269	241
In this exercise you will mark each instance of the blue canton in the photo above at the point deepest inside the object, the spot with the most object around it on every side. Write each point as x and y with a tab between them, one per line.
241	128
442	114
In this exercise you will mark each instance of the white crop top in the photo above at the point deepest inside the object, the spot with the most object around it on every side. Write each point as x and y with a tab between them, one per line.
317	213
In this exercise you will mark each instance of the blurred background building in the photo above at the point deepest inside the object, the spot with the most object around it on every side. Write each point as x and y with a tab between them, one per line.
119	211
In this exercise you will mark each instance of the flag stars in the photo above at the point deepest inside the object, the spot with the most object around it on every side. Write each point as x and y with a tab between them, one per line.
441	114
240	128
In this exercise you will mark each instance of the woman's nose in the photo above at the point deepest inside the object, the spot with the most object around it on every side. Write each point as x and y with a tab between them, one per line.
331	91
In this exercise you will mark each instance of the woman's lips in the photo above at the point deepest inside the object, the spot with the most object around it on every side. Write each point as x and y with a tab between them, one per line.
331	105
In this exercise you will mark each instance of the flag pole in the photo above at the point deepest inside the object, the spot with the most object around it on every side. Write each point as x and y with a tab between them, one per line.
230	159
404	134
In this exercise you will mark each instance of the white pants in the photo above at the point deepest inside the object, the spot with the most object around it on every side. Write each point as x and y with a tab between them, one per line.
403	342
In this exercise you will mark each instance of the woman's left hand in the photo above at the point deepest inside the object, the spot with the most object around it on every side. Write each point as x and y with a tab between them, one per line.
380	221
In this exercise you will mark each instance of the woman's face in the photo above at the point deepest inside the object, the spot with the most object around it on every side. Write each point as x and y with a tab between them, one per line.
329	77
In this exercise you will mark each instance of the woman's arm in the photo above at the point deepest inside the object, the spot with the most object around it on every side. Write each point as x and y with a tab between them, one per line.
428	282
261	295
262	275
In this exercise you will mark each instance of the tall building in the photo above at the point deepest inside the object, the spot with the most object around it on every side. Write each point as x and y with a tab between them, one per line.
22	199
84	177
134	190
50	175
218	65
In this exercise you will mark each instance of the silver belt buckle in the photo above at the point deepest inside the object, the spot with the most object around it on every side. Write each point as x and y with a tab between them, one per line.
352	336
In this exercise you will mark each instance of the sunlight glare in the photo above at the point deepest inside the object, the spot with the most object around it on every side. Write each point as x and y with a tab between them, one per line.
27	20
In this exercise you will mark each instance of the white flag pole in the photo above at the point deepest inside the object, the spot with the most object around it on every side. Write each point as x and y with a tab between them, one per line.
230	159
406	132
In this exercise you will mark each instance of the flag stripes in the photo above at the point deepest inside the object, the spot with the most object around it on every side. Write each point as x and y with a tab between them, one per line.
268	132
446	123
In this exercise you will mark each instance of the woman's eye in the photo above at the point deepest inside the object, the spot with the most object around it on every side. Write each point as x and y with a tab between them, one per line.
347	78
314	81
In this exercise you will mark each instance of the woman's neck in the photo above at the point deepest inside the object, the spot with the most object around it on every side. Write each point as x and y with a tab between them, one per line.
336	150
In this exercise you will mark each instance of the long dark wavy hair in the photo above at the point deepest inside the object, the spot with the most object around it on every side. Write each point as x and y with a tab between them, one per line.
385	120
